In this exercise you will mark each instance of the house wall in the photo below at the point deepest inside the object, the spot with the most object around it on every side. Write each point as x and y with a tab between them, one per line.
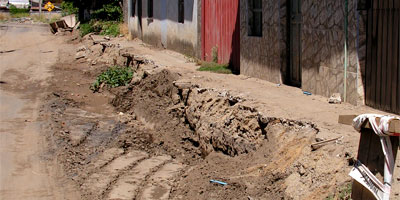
163	30
322	44
265	57
323	53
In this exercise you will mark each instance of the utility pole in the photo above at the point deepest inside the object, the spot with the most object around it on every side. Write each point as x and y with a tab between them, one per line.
40	8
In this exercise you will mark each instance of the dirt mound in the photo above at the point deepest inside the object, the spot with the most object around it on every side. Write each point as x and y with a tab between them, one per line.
209	119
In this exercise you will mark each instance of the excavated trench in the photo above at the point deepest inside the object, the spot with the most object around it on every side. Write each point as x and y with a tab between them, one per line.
190	133
210	120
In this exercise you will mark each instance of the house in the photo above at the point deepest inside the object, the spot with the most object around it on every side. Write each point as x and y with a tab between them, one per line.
172	24
324	47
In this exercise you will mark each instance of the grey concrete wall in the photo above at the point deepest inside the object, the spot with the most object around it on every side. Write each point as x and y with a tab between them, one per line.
322	39
164	30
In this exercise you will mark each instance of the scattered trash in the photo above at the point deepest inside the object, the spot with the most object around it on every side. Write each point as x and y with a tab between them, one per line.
318	145
278	84
218	182
8	51
335	98
307	93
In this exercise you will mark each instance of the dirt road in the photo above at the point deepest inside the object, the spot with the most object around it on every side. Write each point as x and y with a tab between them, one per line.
26	54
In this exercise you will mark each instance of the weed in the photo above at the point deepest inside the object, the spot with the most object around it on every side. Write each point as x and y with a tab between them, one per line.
215	67
20	15
110	28
344	193
44	19
214	52
114	77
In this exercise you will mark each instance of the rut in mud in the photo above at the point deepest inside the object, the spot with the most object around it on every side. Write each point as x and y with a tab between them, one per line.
171	137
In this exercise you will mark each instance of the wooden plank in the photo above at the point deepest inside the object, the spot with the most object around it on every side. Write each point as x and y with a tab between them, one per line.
368	64
394	126
374	54
384	86
378	94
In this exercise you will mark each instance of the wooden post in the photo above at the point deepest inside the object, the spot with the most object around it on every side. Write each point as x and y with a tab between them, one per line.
370	154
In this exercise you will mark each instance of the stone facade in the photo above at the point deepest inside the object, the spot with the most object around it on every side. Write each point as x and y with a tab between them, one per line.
163	29
322	46
265	57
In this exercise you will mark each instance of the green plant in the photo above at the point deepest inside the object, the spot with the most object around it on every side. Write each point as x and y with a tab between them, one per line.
114	77
68	8
215	67
344	193
214	52
109	12
110	28
15	11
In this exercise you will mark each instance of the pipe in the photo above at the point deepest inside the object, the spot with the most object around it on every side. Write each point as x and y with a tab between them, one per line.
346	15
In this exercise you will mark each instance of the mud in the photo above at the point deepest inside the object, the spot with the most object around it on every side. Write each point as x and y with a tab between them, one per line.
164	137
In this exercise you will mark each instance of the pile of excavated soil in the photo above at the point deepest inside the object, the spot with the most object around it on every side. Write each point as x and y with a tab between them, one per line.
165	138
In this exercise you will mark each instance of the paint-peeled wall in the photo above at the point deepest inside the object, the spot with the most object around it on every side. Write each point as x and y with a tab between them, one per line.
164	29
265	57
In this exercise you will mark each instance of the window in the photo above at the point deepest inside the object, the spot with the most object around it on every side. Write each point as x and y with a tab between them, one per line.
133	8
181	11
255	18
150	8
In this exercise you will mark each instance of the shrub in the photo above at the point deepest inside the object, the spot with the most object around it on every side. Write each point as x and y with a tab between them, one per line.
19	12
109	12
110	28
68	8
114	77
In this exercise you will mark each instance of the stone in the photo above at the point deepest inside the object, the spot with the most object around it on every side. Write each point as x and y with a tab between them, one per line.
97	50
80	55
335	98
81	48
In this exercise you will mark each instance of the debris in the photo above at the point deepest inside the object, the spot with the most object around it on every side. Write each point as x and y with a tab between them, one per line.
318	145
69	20
219	182
335	98
307	93
97	39
107	38
278	84
8	51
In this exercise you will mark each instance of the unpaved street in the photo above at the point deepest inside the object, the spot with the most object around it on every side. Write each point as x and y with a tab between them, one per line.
165	135
27	54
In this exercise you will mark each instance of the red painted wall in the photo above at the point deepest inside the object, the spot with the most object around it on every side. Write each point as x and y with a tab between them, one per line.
221	28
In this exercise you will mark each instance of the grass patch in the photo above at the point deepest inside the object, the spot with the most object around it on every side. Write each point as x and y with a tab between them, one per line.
20	15
344	193
114	77
44	19
14	10
110	28
215	67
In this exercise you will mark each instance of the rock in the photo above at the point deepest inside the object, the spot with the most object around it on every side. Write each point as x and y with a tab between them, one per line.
107	38
182	84
80	55
97	39
81	48
335	98
97	50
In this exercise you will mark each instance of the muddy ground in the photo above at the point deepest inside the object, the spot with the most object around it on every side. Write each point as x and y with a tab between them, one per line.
163	137
172	130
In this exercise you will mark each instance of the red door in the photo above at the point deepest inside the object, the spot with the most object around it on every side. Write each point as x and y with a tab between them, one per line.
221	31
